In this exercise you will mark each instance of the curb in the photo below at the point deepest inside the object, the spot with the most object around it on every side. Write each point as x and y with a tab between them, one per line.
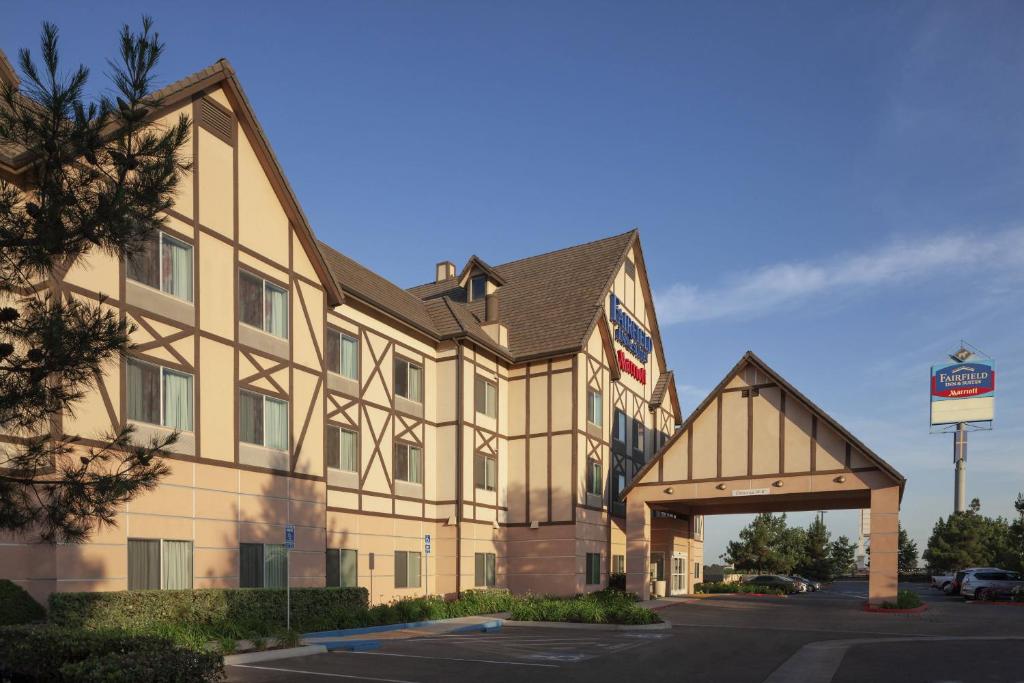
663	626
882	610
270	655
334	640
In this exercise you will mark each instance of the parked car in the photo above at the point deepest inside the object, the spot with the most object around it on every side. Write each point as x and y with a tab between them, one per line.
940	581
990	585
811	584
958	578
776	581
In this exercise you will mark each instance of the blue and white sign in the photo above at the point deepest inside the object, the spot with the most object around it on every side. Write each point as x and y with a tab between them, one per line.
426	544
289	536
628	332
963	392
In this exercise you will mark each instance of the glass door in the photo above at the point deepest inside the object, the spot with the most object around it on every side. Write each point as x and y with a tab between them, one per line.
678	574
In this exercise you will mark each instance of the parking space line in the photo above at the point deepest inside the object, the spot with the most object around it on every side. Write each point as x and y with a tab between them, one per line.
448	659
319	673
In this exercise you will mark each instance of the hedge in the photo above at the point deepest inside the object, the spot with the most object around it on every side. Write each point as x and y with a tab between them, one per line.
47	653
17	606
229	611
737	587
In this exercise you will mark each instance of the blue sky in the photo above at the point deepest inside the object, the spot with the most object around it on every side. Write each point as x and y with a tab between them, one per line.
836	186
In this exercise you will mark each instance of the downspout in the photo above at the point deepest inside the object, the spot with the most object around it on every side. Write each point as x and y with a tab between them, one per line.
459	417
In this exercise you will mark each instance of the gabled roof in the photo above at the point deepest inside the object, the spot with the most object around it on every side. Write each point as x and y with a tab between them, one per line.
7	72
550	302
750	358
222	74
666	386
478	263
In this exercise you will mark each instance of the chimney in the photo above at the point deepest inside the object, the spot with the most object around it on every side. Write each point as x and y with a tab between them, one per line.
491	308
443	271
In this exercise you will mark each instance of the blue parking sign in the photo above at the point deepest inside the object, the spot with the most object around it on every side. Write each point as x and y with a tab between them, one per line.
289	536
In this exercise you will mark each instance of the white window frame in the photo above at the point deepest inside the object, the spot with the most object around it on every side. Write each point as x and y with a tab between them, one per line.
341	353
287	427
160	271
354	433
408	365
160	562
263	303
595	408
409	447
163	417
490	394
490	463
591	463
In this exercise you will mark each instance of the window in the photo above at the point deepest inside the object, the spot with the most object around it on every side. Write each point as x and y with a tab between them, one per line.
342	354
619	428
595	408
485	574
262	420
342	449
478	288
594	478
485	472
262	566
486	397
618	564
158	395
638	435
163	263
407	569
593	568
262	304
630	269
408	380
696	570
341	568
408	463
154	564
618	485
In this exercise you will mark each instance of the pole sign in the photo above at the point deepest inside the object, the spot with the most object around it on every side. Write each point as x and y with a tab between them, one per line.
963	392
426	544
289	536
630	335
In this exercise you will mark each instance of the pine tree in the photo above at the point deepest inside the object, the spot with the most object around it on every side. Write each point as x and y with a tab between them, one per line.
842	554
816	562
101	177
907	553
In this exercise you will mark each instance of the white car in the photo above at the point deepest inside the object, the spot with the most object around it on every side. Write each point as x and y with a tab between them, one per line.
990	584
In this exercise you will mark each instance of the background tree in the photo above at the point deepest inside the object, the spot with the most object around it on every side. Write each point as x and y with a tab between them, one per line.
842	554
970	539
101	177
907	553
816	559
766	545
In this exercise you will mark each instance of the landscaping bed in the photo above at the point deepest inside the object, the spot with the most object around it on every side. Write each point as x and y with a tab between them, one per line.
720	587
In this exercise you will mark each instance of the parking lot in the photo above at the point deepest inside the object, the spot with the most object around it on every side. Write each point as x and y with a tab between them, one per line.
813	637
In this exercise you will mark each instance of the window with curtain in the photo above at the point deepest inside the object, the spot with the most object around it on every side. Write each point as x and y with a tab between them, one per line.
262	304
407	569
595	408
275	566
341	568
619	428
250	565
342	354
158	395
638	435
595	478
408	380
593	568
164	263
408	463
485	575
342	449
618	564
155	564
485	471
486	397
262	420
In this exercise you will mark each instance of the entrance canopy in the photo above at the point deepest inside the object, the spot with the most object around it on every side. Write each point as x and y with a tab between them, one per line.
756	444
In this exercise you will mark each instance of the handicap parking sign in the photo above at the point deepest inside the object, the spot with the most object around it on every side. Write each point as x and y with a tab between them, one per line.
289	536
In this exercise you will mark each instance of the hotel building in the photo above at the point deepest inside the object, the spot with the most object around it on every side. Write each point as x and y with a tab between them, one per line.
473	431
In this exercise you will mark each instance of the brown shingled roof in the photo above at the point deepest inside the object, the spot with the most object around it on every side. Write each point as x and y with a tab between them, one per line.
548	302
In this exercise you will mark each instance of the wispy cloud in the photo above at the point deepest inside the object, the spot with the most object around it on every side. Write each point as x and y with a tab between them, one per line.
777	285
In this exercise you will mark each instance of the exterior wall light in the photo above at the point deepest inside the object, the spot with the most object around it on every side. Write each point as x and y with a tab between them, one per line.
778	483
670	490
841	479
720	487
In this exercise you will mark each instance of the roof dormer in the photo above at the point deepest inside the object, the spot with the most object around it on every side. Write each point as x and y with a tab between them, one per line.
479	279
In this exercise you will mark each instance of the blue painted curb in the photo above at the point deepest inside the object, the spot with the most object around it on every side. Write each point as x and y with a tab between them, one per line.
486	627
351	645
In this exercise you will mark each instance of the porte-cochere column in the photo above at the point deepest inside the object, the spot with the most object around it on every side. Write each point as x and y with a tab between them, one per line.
885	524
638	547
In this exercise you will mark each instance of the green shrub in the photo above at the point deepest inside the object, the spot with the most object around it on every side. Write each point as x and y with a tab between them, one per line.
17	606
905	599
188	614
602	607
47	653
737	587
617	581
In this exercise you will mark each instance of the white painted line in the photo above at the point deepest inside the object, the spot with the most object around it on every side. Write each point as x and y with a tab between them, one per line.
447	659
319	673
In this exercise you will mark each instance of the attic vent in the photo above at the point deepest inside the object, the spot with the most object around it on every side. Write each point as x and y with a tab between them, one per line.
217	120
630	269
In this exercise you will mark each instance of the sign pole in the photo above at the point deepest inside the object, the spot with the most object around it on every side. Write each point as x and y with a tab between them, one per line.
960	459
289	543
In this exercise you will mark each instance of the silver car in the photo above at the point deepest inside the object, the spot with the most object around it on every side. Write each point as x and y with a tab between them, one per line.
990	584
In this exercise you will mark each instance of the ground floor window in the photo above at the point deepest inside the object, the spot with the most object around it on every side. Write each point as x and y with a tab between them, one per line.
618	564
341	568
593	568
407	569
696	570
263	565
485	570
155	564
